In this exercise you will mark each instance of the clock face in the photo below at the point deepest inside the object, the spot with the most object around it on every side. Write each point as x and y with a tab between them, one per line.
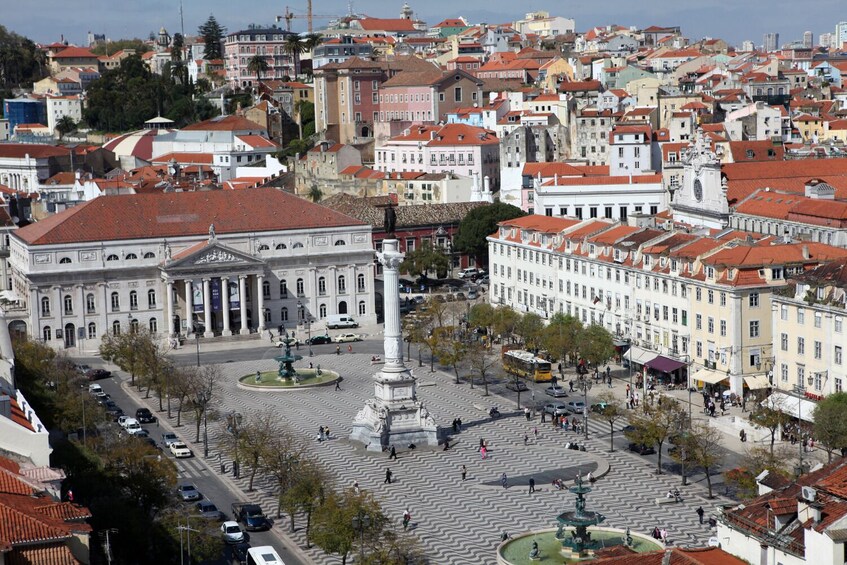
698	190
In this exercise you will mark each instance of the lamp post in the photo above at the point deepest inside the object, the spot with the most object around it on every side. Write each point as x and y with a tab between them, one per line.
801	391
233	425
304	317
584	383
197	343
361	522
204	397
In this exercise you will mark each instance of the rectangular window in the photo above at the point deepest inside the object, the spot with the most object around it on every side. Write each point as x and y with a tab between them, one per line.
723	299
801	315
783	312
457	94
710	297
698	322
698	294
801	346
754	300
818	349
754	328
839	321
711	327
838	355
784	372
723	328
818	319
784	342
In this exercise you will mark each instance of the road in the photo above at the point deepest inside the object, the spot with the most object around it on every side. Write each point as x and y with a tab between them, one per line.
194	470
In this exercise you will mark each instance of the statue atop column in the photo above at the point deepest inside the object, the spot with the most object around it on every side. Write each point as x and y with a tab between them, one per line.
390	221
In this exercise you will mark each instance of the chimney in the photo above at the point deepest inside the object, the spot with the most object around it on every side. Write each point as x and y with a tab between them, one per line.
805	252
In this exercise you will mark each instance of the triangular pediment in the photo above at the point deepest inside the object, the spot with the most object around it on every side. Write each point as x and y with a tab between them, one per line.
210	256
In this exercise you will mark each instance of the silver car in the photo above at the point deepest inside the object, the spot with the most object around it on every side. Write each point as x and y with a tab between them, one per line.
188	492
207	509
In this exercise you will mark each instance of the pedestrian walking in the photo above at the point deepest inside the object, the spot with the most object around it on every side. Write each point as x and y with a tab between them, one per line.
338	350
664	535
446	444
525	439
570	384
543	414
407	517
635	398
531	485
464	472
326	432
320	434
458	424
338	383
535	431
700	513
483	451
656	533
504	480
393	454
350	349
388	475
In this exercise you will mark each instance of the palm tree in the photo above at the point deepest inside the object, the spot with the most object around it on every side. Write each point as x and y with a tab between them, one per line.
65	125
259	65
315	194
294	46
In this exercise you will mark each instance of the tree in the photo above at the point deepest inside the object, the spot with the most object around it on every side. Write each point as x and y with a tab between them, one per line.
656	425
770	417
206	542
506	321
396	548
21	61
756	460
249	445
424	259
478	224
281	460
482	363
612	412
111	47
310	41
562	336
293	45
703	447
596	345
130	351
258	65
201	388
213	35
451	351
831	423
530	328
482	316
65	125
141	473
307	491
315	194
333	529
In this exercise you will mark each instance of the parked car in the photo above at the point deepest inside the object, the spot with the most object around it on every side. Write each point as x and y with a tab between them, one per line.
599	407
319	339
461	296
483	280
103	399
473	294
179	450
250	515
555	391
95	389
517	386
83	369
97	374
168	438
113	410
207	509
641	448
343	338
232	532
576	406
188	492
468	273
557	409
144	416
420	299
239	553
141	434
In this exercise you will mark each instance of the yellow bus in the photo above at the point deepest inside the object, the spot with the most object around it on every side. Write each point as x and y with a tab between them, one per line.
526	365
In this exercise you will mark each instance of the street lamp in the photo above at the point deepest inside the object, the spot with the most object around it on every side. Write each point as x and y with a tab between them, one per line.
233	425
584	383
197	343
361	522
304	316
800	390
204	396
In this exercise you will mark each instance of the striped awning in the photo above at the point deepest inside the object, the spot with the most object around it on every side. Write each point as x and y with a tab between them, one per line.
640	356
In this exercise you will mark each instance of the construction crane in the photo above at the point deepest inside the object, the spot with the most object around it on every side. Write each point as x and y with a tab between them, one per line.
289	15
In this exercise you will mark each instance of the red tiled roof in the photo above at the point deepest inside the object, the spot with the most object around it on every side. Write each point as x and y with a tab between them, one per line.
225	123
20	150
257	142
760	255
75	53
678	556
449	134
42	554
143	216
387	24
538	222
580	86
600	180
193	158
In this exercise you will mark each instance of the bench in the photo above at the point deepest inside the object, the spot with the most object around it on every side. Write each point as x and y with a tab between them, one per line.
665	500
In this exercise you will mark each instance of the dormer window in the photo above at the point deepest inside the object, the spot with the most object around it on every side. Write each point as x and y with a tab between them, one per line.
674	265
710	272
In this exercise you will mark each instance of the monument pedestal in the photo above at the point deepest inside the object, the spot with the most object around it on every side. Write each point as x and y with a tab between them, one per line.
394	416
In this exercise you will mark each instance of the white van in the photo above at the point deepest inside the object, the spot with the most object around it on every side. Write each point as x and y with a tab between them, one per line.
341	321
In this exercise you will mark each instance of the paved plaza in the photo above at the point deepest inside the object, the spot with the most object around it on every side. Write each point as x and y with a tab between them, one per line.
461	522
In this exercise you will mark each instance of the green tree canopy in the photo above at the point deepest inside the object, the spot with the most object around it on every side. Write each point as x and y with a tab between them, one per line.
213	35
530	328
424	259
478	225
596	344
112	47
258	64
562	336
333	529
831	422
21	62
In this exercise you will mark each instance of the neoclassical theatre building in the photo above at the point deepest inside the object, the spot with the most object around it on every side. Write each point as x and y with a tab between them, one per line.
219	263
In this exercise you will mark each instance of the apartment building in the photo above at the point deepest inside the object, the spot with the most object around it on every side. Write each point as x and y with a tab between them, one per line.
268	42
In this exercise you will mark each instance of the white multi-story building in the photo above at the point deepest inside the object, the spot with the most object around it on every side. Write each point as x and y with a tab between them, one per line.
60	106
217	262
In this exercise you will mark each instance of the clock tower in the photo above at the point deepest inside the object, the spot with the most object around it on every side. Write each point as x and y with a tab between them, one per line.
701	200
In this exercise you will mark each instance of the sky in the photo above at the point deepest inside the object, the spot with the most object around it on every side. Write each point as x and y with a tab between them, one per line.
45	21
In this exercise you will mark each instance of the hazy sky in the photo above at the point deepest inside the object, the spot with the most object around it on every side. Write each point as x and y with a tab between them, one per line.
733	20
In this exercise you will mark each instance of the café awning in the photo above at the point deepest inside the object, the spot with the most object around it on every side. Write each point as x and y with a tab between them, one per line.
757	382
639	355
709	376
664	364
792	405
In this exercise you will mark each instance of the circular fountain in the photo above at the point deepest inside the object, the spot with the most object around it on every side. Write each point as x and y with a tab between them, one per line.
287	377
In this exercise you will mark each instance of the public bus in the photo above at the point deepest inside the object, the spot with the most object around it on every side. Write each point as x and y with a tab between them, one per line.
526	365
263	555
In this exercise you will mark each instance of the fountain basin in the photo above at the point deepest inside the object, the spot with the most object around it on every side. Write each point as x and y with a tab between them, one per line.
269	381
516	550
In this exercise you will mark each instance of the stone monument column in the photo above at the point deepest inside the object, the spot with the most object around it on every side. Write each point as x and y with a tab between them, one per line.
390	258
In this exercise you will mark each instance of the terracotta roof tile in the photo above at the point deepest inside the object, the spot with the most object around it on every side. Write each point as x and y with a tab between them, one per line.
226	123
42	554
143	216
537	222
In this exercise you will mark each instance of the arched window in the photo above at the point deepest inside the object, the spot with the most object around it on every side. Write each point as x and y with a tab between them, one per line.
131	257
266	289
90	304
153	325
267	315
64	260
362	308
116	328
133	326
342	307
151	298
112	257
47	333
133	300
283	288
283	315
321	286
360	282
149	255
68	302
339	242
300	287
297	245
322	310
92	330
281	246
263	247
116	302
45	306
342	283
